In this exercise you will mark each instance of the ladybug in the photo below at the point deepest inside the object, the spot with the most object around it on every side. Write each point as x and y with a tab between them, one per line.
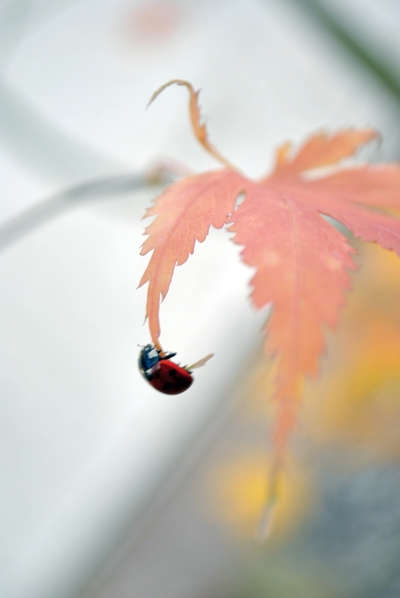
163	374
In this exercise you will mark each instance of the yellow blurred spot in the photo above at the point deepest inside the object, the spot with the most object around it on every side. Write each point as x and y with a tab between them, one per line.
238	492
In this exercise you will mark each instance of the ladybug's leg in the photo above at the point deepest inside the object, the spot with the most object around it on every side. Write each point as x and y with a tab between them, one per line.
159	349
162	353
168	355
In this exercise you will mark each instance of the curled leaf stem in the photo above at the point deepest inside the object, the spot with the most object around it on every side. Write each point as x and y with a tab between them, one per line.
199	129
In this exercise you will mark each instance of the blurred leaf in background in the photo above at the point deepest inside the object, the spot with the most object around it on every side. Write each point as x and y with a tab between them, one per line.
359	406
338	529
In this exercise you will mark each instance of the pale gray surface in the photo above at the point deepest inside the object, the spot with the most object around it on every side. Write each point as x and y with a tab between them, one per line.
86	441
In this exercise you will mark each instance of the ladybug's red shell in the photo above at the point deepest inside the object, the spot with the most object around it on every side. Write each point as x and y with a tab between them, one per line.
166	376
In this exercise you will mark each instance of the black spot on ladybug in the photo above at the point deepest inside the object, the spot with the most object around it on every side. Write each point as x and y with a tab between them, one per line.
172	373
184	382
167	387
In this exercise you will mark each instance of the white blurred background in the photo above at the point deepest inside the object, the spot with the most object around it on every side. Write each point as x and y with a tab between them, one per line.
91	455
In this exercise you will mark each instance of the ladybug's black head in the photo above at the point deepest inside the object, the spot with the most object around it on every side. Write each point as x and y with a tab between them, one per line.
148	358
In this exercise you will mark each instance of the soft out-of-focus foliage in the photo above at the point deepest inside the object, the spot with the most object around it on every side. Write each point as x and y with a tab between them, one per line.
240	489
337	527
359	405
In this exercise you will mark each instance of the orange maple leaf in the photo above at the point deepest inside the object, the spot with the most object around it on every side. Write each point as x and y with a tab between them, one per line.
301	259
185	212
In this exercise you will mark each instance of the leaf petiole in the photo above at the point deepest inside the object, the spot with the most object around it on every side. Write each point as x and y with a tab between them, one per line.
199	129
